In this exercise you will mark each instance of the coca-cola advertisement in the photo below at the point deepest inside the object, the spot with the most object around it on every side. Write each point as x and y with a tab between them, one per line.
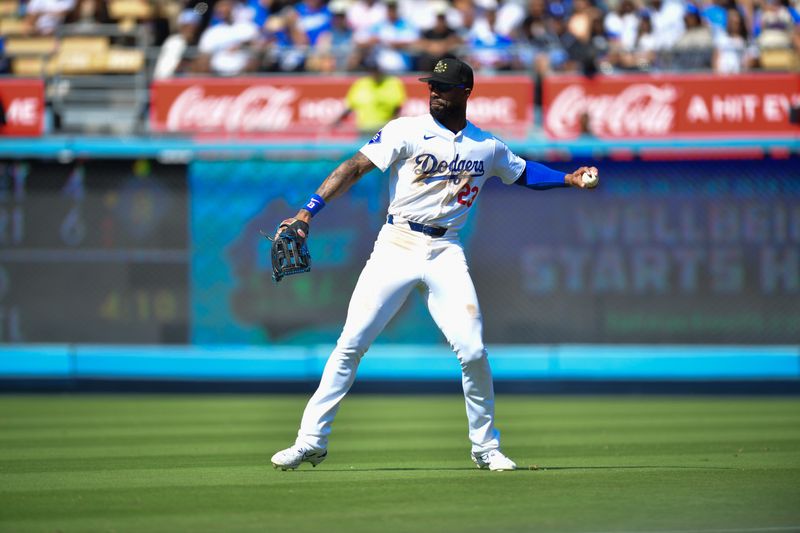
21	108
662	106
305	107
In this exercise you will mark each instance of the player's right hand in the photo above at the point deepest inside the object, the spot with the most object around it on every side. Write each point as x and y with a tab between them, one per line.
584	178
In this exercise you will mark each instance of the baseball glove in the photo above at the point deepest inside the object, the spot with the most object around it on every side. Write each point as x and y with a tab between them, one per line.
289	251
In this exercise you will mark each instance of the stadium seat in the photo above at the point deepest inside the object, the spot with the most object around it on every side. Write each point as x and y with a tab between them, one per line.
779	59
30	67
9	7
13	26
28	46
138	9
124	60
170	9
82	54
89	43
128	12
29	54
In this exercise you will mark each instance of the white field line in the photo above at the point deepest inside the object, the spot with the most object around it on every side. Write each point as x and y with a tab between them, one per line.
775	529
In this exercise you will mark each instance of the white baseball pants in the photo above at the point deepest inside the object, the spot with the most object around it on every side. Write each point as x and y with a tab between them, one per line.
401	261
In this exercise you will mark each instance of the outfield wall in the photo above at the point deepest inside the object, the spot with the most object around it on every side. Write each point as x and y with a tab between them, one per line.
407	361
142	260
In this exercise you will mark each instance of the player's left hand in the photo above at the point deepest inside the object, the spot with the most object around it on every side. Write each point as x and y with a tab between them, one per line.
289	252
584	178
293	226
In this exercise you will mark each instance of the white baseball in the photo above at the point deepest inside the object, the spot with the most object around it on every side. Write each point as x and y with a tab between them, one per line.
590	179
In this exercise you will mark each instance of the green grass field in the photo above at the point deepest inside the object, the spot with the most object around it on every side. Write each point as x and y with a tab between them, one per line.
399	464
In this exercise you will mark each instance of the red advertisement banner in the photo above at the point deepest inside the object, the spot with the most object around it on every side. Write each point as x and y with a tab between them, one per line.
21	108
659	106
304	107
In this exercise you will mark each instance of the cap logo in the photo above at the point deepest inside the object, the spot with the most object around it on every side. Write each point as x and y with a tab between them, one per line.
440	67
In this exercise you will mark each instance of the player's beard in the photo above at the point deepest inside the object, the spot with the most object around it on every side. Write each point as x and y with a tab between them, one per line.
444	110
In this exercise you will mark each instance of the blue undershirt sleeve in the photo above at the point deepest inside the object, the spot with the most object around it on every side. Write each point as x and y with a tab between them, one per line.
538	176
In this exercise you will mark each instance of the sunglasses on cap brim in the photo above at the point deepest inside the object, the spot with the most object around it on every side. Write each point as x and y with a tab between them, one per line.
441	87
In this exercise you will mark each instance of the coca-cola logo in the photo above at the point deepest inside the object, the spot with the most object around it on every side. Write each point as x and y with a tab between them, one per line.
640	109
259	108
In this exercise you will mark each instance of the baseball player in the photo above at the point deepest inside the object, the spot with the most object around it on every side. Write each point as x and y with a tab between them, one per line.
437	164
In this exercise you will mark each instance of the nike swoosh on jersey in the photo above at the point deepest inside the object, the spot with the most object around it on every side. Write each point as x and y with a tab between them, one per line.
428	137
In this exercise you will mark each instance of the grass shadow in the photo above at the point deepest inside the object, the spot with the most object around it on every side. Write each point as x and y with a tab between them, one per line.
521	468
626	467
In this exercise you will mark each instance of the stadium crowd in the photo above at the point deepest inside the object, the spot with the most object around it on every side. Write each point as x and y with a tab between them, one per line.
230	37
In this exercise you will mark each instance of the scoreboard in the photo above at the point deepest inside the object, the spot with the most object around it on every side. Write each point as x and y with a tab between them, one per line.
93	251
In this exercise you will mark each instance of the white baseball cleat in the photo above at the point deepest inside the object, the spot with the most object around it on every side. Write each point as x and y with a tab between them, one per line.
291	457
493	460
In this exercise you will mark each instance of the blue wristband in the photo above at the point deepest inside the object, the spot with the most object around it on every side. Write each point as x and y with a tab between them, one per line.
314	204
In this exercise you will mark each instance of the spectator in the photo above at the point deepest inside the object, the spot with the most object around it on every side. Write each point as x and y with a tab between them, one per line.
795	13
255	11
488	50
313	19
544	50
510	16
172	54
698	35
582	29
364	15
461	16
622	27
439	41
306	21
373	99
733	50
243	11
579	22
88	13
393	40
666	17
45	16
694	49
418	13
777	32
228	47
643	54
600	47
566	53
535	29
284	39
774	25
201	8
335	46
715	14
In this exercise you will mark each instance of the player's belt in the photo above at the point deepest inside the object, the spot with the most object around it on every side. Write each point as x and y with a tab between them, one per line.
433	231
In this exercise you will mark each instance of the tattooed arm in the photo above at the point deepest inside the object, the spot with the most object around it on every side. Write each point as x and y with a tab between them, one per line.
340	180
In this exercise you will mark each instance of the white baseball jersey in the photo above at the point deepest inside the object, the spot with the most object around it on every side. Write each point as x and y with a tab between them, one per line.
435	177
436	174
